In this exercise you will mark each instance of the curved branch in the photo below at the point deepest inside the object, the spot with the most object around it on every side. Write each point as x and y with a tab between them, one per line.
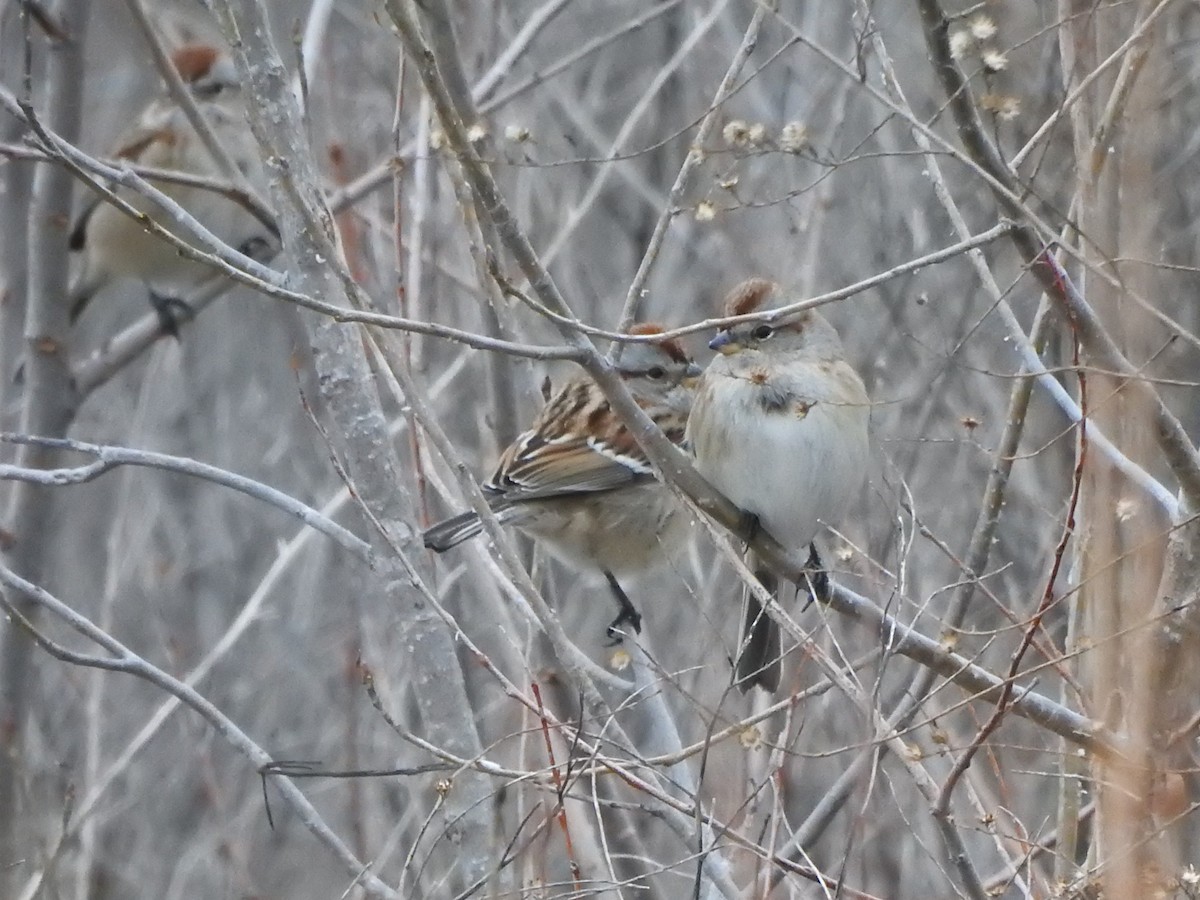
109	458
122	659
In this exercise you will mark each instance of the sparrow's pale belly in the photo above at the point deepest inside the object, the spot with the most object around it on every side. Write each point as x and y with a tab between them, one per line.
129	250
121	246
793	468
624	532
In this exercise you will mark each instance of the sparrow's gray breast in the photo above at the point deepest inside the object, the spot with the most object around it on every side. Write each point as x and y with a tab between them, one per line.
774	397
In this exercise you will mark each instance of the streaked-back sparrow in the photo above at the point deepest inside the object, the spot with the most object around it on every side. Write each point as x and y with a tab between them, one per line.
579	482
116	246
779	426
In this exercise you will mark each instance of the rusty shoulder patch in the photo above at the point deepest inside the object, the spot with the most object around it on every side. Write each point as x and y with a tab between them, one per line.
193	61
748	296
670	346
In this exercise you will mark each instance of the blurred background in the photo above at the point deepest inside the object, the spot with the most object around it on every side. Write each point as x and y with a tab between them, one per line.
810	177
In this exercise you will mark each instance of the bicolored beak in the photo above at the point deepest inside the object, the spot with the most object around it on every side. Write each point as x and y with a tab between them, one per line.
691	375
724	343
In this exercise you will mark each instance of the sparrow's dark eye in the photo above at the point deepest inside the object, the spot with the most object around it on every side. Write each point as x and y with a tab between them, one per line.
655	373
762	332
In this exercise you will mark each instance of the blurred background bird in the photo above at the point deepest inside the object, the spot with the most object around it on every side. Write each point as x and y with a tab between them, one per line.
115	245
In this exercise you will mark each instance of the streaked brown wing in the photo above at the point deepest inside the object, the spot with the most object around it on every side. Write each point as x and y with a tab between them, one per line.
531	469
552	459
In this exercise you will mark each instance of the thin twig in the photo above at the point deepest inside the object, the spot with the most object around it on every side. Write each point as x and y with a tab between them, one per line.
695	156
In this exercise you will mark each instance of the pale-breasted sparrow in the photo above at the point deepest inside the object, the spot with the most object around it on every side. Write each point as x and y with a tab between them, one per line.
779	426
116	246
578	481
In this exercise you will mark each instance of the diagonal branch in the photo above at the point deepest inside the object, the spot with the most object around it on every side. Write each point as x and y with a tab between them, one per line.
122	659
108	458
695	156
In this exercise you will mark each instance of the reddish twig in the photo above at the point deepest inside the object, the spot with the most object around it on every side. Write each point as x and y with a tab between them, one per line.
1035	622
560	787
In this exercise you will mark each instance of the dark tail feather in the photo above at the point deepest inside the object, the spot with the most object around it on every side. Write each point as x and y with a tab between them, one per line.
83	289
452	532
79	302
78	305
759	661
78	237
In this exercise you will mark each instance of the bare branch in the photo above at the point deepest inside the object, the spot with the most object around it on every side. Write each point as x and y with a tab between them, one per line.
109	458
122	659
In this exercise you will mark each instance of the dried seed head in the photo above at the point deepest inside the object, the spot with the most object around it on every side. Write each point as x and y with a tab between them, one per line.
1004	106
960	43
750	737
994	60
705	211
1127	508
736	132
793	137
518	134
982	27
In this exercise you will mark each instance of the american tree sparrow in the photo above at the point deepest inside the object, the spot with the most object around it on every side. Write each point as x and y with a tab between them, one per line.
579	482
116	246
779	426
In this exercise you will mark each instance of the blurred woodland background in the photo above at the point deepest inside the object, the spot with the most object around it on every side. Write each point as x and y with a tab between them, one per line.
822	144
